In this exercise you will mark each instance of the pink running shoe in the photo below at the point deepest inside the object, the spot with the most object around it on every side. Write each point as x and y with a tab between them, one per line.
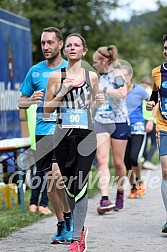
105	206
119	204
74	247
83	237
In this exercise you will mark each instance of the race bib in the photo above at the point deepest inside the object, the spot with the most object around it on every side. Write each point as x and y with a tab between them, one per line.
163	106
74	118
104	109
138	128
50	118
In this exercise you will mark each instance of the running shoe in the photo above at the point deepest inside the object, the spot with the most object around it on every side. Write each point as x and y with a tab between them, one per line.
60	235
119	204
33	208
141	189
133	193
44	210
68	229
105	206
74	247
149	165
164	228
83	237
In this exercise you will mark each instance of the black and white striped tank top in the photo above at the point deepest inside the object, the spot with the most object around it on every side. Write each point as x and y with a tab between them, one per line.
78	97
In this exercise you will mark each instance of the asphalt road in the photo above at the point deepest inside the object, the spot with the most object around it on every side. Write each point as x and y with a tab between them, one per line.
137	228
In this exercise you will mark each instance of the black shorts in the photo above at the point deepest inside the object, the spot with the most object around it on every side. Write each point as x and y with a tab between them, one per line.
44	152
116	130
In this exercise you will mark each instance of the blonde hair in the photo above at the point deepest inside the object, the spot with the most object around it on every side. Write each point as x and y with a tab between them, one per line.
109	53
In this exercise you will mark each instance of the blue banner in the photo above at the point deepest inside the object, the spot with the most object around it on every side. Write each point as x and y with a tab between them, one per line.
15	61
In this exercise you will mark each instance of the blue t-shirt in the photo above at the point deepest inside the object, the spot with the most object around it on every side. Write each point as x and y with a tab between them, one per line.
134	103
37	79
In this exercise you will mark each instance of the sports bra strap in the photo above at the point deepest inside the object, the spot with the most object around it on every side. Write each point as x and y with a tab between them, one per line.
87	78
63	74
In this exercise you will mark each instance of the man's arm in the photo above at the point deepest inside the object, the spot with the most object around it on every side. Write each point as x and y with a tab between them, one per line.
25	102
150	123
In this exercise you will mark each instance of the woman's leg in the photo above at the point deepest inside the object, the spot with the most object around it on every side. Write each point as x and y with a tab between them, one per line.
103	154
80	192
136	152
118	151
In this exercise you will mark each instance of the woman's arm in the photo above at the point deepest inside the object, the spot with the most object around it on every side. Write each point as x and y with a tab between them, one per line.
98	97
52	98
120	92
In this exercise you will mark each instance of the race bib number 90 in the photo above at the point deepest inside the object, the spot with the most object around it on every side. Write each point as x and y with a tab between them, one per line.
74	118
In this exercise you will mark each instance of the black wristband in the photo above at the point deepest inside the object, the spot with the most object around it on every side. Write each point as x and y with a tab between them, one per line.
154	96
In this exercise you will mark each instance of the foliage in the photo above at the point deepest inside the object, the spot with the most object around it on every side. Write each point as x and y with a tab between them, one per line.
83	16
160	24
138	41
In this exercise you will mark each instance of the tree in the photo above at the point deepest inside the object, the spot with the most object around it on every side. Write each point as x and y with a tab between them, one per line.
160	23
138	41
88	17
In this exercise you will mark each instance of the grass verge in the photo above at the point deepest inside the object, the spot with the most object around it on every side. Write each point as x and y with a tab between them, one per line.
13	219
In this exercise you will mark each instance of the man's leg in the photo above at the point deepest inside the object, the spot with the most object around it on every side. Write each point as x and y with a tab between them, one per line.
163	160
43	205
162	142
35	191
56	192
57	197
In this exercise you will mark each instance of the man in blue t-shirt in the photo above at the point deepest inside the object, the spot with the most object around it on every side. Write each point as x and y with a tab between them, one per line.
33	92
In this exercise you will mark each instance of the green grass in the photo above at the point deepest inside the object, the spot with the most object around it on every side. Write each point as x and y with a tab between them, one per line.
155	158
13	219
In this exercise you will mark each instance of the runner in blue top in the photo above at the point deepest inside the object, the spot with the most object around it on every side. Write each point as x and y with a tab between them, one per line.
136	144
33	92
